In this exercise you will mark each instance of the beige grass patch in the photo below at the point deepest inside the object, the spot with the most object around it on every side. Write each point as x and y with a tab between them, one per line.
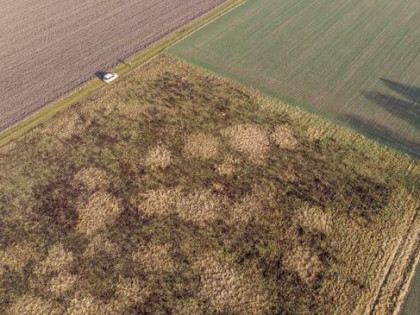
200	206
15	257
65	125
314	219
86	305
31	305
201	146
251	140
8	147
101	210
228	166
283	137
131	291
92	178
100	244
250	206
62	283
58	260
315	133
155	258
230	291
158	157
305	262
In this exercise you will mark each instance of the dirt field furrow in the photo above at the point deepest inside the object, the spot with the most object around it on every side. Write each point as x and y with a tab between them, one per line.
49	47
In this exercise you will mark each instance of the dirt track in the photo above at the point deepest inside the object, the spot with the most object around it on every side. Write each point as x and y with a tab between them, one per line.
49	47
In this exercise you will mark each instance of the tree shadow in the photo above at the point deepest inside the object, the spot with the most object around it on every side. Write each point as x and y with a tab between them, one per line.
409	92
404	109
383	134
123	62
405	105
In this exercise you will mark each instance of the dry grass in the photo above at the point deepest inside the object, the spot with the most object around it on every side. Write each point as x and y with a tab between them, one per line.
92	179
201	146
57	260
86	305
228	166
314	219
15	257
100	244
250	206
66	125
158	157
305	262
155	258
201	206
327	228
229	290
8	148
250	140
31	305
132	291
62	283
101	210
283	137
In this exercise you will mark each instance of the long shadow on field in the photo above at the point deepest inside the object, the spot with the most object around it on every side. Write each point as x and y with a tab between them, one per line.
409	92
406	106
383	134
402	101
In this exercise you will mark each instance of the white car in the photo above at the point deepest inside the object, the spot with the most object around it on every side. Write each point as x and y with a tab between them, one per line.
109	77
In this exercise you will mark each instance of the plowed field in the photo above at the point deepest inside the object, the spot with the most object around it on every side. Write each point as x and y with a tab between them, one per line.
49	47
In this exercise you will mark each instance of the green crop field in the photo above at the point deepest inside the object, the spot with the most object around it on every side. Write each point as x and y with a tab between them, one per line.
356	62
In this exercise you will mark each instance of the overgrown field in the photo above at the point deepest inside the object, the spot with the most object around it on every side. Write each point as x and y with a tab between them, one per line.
356	62
174	190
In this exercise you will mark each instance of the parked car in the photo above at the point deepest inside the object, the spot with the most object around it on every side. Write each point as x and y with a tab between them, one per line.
109	77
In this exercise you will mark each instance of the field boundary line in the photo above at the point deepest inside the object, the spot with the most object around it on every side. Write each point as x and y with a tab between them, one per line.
94	85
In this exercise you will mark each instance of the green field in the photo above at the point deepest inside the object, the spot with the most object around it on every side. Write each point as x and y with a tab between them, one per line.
356	62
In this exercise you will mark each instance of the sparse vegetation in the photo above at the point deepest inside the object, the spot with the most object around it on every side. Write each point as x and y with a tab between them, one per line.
128	214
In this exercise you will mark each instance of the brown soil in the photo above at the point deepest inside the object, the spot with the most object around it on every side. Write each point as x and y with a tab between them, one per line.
49	47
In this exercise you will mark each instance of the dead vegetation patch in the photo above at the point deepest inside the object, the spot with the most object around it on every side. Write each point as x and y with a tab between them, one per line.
15	257
8	147
250	206
100	244
86	305
57	260
201	146
131	291
92	179
229	290
305	262
62	283
314	219
249	139
32	305
158	157
155	258
283	137
200	206
228	166
99	211
65	125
